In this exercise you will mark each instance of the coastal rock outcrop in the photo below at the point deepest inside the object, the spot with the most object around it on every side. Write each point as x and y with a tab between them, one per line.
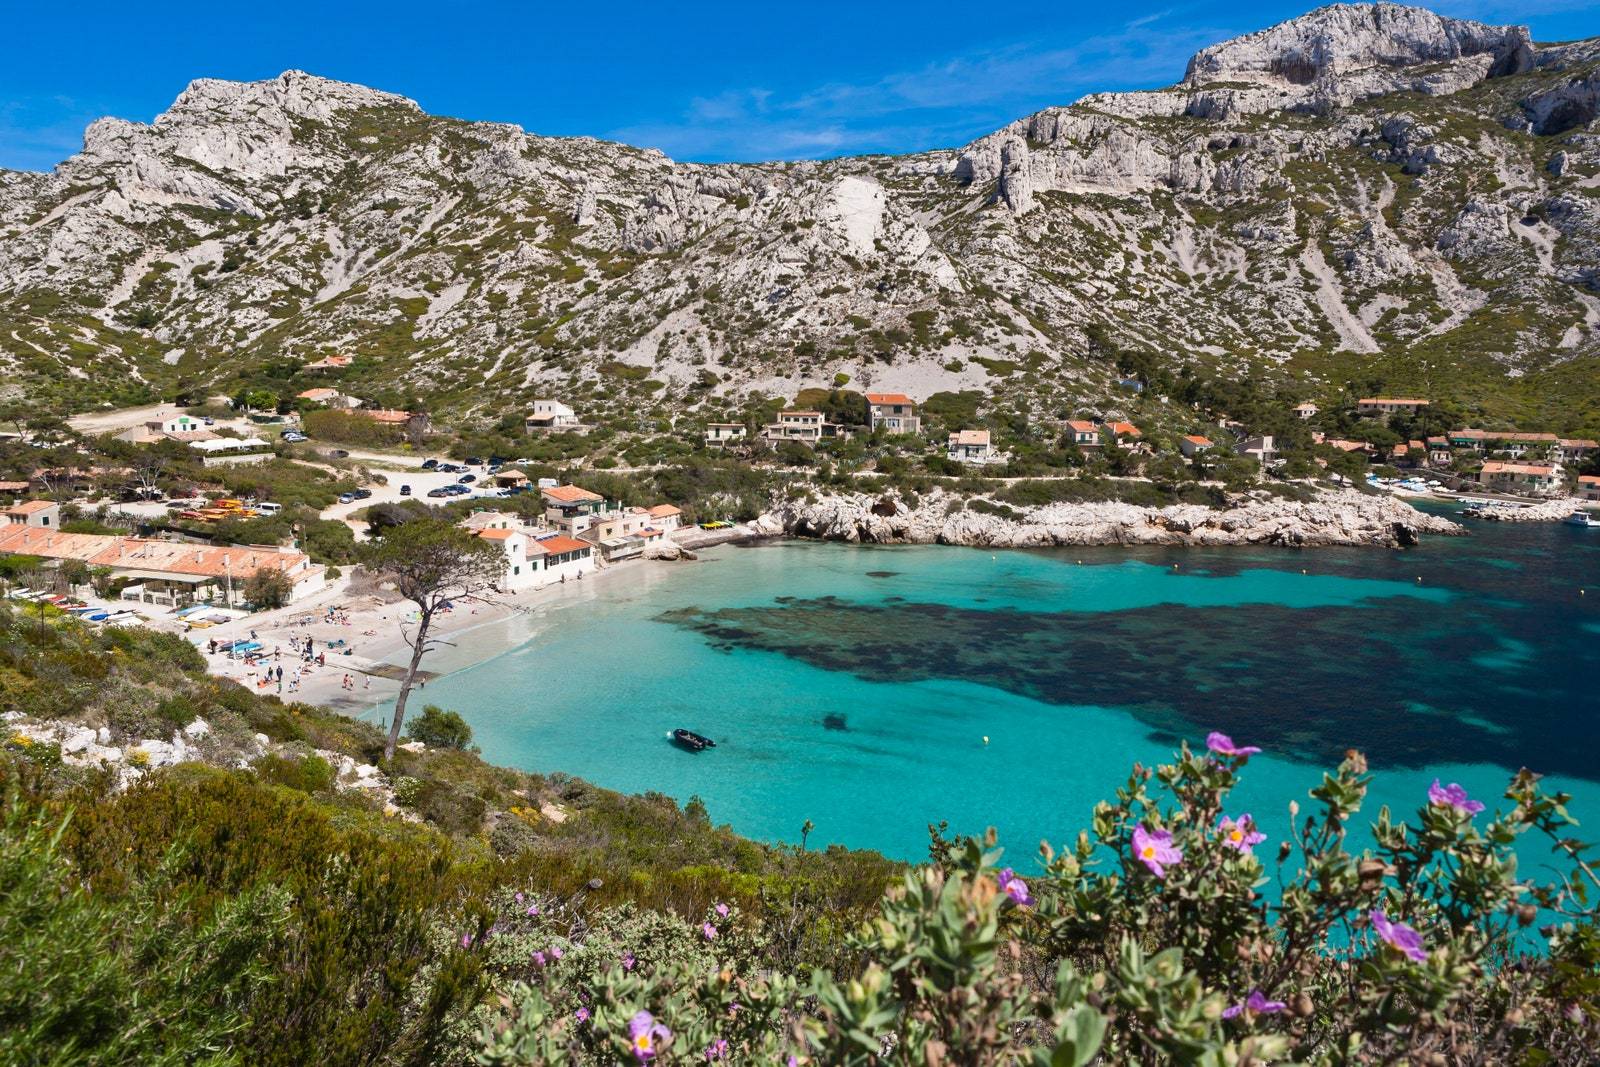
1344	517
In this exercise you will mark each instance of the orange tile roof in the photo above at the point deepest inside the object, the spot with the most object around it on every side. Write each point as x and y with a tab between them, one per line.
889	398
1496	467
970	437
30	507
1124	429
1589	479
385	415
133	553
570	494
661	511
1196	439
1081	426
562	543
1578	442
495	535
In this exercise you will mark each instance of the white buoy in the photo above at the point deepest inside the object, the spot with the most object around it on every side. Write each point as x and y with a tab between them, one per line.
986	739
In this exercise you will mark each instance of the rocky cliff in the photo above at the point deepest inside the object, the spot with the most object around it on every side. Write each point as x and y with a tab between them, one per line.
1366	191
1344	517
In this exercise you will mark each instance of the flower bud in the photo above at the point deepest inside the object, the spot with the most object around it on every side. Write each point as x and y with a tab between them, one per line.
1294	809
1526	914
1283	851
1371	872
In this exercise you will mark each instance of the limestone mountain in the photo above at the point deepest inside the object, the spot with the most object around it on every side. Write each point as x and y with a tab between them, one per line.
1368	192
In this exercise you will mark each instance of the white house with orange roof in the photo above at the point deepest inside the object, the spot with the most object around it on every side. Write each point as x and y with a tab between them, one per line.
1537	478
1189	444
330	363
1083	433
39	514
972	446
894	412
666	517
1589	486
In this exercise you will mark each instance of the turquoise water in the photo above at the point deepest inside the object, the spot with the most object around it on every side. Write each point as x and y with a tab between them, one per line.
1073	664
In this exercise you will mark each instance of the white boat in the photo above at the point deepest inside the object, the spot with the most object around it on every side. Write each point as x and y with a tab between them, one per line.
1582	518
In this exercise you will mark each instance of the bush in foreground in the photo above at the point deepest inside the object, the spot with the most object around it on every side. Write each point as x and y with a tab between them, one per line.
1149	941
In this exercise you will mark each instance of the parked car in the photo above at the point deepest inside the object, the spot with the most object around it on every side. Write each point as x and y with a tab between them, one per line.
441	492
339	453
467	479
347	498
429	464
405	490
362	494
208	420
295	437
473	461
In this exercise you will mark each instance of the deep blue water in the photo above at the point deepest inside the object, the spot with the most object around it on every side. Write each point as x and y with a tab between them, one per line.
1073	663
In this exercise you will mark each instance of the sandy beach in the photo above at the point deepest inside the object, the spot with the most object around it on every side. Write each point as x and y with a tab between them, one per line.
358	646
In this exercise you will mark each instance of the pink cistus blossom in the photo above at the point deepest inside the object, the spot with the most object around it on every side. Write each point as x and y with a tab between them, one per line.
709	930
645	1036
582	1015
716	1050
555	952
1257	1003
1013	887
1453	796
1223	745
1240	834
628	961
539	959
1399	936
1154	849
722	910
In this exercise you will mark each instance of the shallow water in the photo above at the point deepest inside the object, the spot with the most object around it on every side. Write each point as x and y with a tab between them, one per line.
1016	689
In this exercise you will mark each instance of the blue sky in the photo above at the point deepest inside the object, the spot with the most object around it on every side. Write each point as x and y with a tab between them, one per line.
705	80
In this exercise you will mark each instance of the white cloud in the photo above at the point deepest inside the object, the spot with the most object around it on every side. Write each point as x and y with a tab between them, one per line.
940	105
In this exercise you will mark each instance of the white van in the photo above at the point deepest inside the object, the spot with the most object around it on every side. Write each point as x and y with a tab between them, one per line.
267	507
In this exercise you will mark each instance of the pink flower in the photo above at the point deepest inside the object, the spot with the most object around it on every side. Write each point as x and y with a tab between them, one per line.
1398	936
1257	1004
1240	834
1155	850
709	930
582	1015
555	952
628	961
716	1050
1223	745
1453	796
466	940
1013	887
722	910
539	959
644	1034
533	909
518	898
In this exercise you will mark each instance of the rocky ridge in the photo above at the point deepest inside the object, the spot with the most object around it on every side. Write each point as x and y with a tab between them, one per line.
1343	517
1365	188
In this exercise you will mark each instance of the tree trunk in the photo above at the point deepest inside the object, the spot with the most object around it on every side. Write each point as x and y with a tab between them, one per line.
417	649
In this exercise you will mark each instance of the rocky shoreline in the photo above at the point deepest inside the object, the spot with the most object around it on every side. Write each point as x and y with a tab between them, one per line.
1332	518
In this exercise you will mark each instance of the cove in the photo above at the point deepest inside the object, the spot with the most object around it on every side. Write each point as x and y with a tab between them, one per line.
854	685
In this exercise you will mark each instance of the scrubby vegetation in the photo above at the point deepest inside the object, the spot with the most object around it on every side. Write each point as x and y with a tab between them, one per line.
264	915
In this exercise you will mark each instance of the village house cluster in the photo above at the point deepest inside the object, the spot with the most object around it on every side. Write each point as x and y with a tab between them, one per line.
168	573
578	530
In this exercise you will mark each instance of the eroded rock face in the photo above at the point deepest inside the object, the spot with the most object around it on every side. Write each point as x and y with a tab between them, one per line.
296	216
1367	46
1332	518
